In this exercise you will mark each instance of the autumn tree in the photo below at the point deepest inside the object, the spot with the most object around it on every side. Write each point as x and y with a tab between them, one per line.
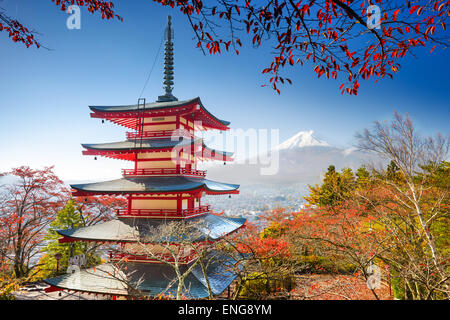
411	201
101	208
262	265
336	240
27	206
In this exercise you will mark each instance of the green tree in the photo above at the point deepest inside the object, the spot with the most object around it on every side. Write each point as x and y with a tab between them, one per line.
393	172
336	187
67	218
362	176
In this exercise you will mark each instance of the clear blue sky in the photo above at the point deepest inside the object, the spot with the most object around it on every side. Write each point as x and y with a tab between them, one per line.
44	95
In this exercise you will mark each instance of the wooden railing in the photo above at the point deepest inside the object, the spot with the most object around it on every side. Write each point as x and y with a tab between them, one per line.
164	213
159	134
117	256
162	171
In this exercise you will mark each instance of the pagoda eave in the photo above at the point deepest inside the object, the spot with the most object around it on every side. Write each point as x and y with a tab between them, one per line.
130	155
155	185
106	279
211	228
132	122
128	116
80	193
127	149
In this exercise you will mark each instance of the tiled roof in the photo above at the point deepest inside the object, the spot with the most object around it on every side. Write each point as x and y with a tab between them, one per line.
155	185
150	278
204	227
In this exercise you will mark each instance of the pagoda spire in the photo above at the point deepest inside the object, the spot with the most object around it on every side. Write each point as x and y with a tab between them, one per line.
168	64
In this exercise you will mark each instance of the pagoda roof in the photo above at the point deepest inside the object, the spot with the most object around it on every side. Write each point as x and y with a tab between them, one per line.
155	185
136	144
150	278
131	145
204	227
191	108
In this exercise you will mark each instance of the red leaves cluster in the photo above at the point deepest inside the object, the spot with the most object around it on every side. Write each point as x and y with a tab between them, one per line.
104	7
19	33
99	208
34	198
27	206
332	35
264	248
250	240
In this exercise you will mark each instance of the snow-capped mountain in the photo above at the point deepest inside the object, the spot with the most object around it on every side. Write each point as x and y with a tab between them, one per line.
303	159
302	139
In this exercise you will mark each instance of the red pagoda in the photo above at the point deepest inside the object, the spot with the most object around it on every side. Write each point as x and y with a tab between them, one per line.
164	185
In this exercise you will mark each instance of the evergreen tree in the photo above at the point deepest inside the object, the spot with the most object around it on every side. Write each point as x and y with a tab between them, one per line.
336	187
392	171
69	217
362	176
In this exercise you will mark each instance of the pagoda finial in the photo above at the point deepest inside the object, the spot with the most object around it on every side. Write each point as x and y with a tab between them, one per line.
168	64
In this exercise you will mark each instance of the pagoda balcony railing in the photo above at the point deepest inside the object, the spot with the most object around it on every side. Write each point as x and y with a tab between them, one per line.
122	256
159	134
165	213
163	172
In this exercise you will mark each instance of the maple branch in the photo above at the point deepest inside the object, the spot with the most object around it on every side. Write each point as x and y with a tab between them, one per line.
352	13
304	25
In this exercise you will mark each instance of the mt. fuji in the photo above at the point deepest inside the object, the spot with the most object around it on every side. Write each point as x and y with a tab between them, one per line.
302	139
302	159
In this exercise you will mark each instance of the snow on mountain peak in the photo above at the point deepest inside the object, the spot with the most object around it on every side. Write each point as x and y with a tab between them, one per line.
302	139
